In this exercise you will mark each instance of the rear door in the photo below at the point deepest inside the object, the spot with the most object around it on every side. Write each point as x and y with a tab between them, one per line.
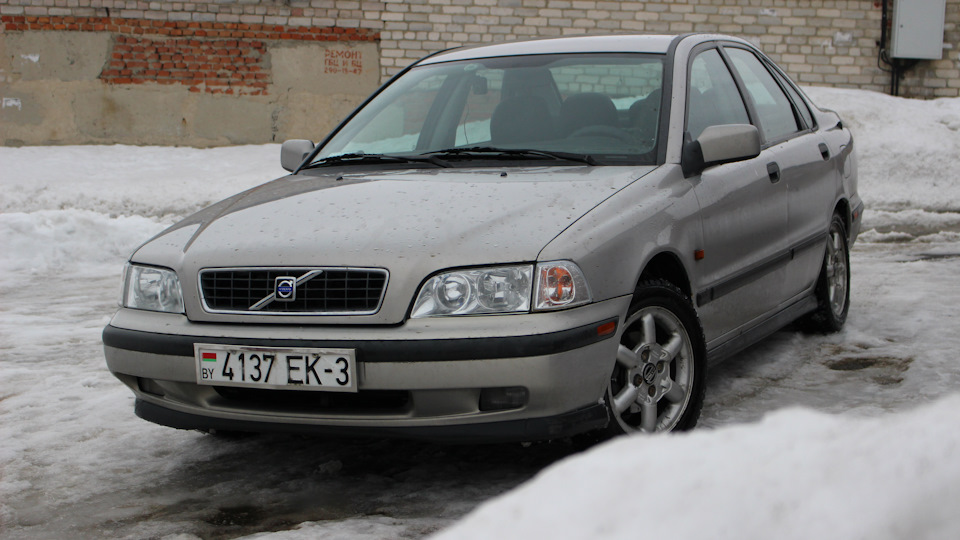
803	158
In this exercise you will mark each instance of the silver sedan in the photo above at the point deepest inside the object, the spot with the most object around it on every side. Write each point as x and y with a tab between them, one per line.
519	241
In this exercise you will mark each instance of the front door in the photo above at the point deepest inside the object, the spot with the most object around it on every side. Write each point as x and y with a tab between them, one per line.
743	211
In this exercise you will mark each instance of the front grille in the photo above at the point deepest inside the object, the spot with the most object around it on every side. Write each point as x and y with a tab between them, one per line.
318	291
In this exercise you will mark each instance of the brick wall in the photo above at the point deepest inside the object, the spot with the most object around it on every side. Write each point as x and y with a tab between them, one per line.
82	71
226	47
215	57
819	42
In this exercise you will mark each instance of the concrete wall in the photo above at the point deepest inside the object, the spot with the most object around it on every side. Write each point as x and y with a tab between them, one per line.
79	80
214	72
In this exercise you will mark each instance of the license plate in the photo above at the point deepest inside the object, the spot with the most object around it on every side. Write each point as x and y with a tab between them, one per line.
332	370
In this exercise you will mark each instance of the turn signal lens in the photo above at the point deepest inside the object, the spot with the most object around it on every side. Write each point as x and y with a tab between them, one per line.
560	284
607	328
557	285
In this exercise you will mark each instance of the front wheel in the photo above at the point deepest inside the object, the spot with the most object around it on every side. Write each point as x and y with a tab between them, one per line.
658	380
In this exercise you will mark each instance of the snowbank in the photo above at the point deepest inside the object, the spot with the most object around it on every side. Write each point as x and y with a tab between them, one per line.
907	148
150	181
95	204
795	475
48	241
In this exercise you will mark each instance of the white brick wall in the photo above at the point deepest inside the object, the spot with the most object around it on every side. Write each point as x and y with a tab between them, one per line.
817	41
830	42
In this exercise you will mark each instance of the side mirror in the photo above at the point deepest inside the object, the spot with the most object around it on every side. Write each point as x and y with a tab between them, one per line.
293	151
720	144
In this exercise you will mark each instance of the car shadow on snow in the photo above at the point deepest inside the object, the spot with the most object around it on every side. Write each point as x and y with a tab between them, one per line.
274	482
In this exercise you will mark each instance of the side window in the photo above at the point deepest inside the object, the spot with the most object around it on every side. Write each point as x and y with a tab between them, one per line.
805	113
777	120
713	98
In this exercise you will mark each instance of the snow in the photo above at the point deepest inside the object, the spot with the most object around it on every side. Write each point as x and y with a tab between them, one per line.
905	147
796	474
116	180
852	435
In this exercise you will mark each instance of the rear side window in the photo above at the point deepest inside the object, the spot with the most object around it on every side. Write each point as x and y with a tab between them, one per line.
802	108
777	119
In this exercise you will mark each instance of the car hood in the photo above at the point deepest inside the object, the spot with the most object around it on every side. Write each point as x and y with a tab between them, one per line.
413	223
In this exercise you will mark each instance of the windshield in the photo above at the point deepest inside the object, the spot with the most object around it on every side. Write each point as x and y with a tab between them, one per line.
602	107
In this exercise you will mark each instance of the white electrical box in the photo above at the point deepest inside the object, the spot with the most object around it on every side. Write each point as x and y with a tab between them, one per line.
918	29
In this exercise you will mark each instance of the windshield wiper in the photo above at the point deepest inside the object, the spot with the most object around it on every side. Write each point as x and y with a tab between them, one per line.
361	158
513	153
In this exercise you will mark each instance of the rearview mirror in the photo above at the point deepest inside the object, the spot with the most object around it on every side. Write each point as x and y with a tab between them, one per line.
293	151
720	144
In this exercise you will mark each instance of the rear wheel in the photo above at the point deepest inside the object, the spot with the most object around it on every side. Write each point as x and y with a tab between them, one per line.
657	384
833	285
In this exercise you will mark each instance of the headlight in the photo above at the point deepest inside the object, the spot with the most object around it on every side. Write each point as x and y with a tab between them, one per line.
560	284
152	289
502	289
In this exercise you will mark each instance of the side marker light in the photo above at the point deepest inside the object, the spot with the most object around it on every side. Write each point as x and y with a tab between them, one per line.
607	328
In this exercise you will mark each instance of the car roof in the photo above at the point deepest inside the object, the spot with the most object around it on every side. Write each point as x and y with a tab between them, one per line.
653	44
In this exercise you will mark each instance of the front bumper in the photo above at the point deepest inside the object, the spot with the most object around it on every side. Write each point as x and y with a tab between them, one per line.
424	379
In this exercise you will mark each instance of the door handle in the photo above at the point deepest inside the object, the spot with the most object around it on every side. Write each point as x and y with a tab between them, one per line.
824	151
773	171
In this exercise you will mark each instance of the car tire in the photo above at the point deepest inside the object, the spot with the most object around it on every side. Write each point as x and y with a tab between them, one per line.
659	377
833	284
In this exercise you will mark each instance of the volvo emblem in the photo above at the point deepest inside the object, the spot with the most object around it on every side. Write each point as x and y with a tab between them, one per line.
649	373
285	289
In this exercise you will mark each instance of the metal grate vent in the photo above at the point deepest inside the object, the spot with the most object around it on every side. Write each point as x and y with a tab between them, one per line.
293	291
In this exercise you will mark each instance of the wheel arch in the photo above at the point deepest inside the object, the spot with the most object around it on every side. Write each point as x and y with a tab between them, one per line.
667	266
842	207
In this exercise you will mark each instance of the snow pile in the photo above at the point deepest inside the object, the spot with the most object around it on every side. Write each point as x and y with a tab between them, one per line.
907	151
795	475
906	148
95	204
48	241
149	181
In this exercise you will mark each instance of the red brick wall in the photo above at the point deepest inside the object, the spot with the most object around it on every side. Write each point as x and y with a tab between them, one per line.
215	66
212	57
